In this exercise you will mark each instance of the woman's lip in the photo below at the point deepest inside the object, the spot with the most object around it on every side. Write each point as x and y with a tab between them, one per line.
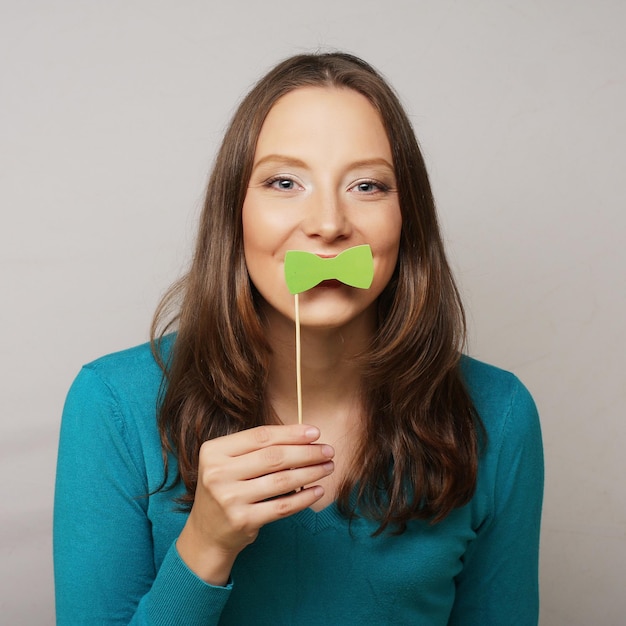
329	284
323	255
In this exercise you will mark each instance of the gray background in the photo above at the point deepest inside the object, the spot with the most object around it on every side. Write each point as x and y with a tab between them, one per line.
110	113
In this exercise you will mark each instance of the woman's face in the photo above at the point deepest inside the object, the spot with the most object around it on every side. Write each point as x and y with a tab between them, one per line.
322	181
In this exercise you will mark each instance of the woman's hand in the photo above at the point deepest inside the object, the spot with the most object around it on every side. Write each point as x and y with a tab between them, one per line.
245	481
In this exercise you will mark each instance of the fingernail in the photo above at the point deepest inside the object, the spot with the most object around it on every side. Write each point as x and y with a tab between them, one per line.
329	466
328	451
312	432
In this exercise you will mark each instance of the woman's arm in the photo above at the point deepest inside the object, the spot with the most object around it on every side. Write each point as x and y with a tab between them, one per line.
103	551
499	581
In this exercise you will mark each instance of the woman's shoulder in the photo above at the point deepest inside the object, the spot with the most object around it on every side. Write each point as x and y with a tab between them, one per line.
128	381
114	399
131	360
501	399
132	368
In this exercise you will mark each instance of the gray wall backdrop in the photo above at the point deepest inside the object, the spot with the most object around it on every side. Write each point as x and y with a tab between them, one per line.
110	113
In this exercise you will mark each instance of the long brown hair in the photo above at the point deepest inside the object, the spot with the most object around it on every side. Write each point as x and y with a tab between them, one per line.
419	452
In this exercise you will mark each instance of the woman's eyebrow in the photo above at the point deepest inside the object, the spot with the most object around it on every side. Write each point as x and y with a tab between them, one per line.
279	159
370	162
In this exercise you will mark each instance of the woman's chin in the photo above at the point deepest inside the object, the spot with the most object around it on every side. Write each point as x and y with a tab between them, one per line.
330	315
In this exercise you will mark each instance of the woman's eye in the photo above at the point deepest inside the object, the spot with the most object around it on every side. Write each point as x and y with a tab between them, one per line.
365	187
369	186
283	184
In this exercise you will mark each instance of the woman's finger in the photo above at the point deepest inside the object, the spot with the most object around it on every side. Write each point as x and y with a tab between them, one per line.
271	510
278	458
284	482
247	441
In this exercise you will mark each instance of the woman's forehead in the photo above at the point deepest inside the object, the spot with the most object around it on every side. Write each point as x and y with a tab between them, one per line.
320	121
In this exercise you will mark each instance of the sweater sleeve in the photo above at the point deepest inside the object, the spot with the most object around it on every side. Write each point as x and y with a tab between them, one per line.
499	581
103	552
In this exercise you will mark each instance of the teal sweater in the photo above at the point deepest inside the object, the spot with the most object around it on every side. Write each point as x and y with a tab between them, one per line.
114	546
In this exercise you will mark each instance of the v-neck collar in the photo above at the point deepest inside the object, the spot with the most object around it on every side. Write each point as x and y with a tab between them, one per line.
318	521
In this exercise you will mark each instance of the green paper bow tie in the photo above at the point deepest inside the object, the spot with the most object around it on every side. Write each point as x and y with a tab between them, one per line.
305	270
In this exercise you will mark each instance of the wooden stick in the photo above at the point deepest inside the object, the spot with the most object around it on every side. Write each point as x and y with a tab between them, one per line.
298	360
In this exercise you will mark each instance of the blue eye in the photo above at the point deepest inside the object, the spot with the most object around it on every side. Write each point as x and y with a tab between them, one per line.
370	187
281	183
366	187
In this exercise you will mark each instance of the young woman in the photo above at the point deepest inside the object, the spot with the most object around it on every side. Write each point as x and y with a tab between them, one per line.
187	492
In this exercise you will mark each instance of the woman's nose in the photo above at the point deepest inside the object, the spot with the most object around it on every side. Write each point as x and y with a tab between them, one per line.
326	218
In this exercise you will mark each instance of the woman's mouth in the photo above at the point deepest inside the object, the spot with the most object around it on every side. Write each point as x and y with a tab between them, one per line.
329	284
